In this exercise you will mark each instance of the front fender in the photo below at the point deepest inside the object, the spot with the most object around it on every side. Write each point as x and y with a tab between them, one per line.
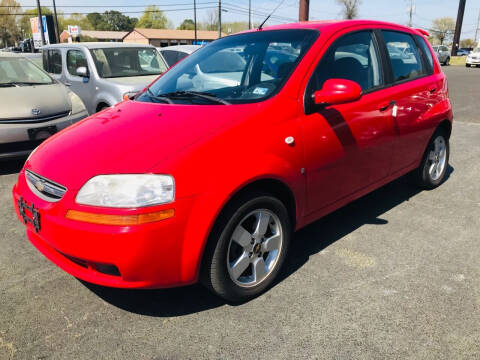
210	203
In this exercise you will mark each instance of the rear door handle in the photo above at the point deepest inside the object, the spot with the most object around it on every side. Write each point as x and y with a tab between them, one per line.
387	106
432	90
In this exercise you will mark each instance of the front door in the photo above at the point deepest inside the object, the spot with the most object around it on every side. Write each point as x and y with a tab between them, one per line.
82	86
348	146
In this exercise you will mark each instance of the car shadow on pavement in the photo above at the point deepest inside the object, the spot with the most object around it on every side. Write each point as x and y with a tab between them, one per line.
11	166
306	242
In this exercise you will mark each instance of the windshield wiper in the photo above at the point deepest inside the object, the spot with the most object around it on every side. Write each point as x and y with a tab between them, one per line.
161	98
203	95
9	84
28	83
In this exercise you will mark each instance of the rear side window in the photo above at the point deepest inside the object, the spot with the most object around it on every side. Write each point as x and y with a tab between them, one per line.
404	56
75	59
427	55
170	56
352	57
52	61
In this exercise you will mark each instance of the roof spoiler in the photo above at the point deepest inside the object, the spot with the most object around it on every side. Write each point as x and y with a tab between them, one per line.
423	32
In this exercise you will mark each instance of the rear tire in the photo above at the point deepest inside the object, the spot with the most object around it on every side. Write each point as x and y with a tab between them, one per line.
247	248
433	167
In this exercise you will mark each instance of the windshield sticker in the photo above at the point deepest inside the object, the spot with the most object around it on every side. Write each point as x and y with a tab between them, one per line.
260	91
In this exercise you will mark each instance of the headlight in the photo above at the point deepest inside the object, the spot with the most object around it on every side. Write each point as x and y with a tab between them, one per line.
127	191
77	103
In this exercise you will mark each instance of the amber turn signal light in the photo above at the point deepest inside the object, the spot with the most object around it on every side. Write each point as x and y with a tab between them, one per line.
119	220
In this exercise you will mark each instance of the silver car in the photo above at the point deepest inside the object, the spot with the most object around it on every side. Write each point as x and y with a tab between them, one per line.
175	53
443	54
33	106
102	74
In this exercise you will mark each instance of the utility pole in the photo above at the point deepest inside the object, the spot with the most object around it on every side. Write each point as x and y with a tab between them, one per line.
458	27
303	10
40	22
219	19
411	13
195	19
57	30
250	14
478	26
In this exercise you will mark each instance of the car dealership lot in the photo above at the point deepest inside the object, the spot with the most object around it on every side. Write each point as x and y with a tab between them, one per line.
394	275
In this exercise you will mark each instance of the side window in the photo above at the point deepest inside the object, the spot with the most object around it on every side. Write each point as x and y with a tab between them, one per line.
170	56
52	61
422	43
353	57
404	56
75	59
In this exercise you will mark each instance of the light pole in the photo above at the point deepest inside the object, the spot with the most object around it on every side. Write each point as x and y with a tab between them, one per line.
458	27
219	19
249	14
195	19
57	30
40	22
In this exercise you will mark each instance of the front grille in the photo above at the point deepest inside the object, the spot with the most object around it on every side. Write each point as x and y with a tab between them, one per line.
44	188
33	120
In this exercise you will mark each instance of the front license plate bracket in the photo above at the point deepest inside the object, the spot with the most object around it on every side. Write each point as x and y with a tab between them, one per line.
35	219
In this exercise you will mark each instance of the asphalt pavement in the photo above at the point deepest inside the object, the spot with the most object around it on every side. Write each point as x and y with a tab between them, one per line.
393	275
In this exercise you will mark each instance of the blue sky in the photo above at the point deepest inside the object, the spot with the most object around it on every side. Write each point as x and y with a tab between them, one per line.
395	11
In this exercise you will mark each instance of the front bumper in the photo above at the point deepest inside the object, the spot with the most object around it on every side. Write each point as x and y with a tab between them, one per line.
473	61
15	141
146	256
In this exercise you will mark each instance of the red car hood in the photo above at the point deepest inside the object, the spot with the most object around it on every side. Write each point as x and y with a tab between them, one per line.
130	138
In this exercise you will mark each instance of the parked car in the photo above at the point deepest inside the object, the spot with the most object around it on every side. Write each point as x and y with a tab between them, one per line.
206	184
473	58
33	106
463	52
103	73
175	53
443	54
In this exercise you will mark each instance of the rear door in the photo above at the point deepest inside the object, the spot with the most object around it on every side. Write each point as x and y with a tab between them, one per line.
348	146
415	91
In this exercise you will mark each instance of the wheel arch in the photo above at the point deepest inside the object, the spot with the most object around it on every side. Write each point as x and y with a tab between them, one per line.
446	126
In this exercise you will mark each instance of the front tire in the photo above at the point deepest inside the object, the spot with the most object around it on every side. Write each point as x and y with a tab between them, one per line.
468	65
247	248
447	61
433	167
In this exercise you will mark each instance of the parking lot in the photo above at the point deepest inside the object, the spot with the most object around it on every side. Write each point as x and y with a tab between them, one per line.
394	275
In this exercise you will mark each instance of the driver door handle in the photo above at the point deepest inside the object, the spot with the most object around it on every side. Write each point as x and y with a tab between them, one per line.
387	106
67	84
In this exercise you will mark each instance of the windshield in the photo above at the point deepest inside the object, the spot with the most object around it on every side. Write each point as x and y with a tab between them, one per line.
237	69
127	61
476	50
16	70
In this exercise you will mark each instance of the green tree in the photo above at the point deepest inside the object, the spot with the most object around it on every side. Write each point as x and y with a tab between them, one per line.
9	30
76	19
467	43
187	24
443	28
96	20
116	21
153	18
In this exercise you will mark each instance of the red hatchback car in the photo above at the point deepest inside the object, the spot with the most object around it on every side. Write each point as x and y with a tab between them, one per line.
205	174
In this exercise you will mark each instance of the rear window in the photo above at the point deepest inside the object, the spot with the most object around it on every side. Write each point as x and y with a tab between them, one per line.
427	55
404	56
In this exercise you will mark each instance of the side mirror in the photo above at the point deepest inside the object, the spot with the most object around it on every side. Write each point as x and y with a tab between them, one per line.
82	71
337	91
